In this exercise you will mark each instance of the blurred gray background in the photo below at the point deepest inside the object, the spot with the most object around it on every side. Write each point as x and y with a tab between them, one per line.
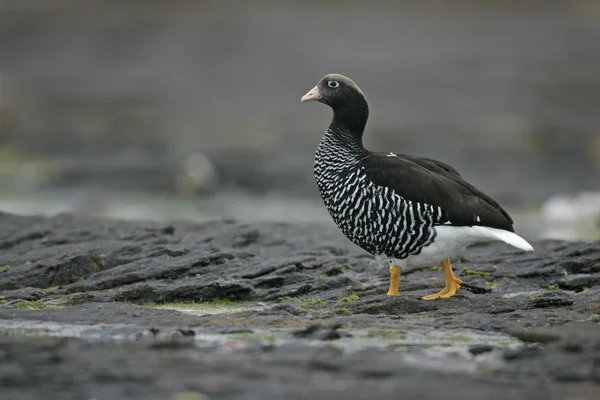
191	109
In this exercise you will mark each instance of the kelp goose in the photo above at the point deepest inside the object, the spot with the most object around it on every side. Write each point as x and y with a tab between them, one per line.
414	211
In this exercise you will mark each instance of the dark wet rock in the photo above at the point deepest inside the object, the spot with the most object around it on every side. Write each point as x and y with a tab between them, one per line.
72	260
171	340
525	352
59	368
476	289
186	332
287	308
392	306
552	299
148	333
579	282
534	336
76	298
98	313
572	347
319	332
26	293
571	356
154	331
305	280
236	329
481	349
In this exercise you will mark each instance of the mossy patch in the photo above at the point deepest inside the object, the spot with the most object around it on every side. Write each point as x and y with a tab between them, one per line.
263	337
348	299
53	287
553	287
490	285
5	267
586	291
315	302
344	311
466	271
98	262
386	334
308	304
33	305
23	331
484	369
189	396
436	268
461	338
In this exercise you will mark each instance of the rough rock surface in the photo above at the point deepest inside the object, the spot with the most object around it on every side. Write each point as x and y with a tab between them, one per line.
313	319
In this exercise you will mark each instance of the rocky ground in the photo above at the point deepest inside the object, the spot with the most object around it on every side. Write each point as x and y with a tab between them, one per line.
107	309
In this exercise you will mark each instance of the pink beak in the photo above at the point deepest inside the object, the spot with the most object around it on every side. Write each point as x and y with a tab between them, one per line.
312	95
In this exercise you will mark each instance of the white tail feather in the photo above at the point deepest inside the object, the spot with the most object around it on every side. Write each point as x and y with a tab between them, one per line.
503	236
452	239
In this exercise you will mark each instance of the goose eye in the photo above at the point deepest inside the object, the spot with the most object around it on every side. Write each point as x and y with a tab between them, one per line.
333	84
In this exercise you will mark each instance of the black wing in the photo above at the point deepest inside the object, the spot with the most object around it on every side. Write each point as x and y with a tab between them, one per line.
432	182
432	165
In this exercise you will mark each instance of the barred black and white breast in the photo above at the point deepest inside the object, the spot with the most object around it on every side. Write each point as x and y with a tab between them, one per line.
373	217
416	211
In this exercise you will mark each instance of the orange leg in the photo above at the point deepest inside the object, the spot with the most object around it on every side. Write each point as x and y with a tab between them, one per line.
452	283
394	281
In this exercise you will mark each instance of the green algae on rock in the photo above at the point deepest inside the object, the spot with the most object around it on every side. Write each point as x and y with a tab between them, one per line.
348	299
33	305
